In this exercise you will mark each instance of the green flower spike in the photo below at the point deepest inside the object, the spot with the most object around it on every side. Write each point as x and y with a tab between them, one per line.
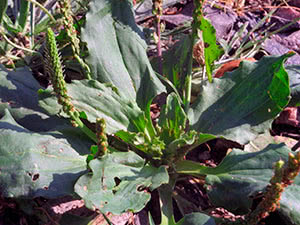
53	67
99	150
283	177
68	22
292	170
101	137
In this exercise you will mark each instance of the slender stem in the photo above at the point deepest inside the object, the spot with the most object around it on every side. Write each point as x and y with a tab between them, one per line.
188	79
158	11
197	13
165	196
85	67
159	50
106	218
13	57
84	128
17	46
32	14
43	9
188	91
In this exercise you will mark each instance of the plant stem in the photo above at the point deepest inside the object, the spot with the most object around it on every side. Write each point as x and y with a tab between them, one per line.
165	196
197	14
158	11
32	14
83	127
43	9
188	90
159	51
17	46
188	79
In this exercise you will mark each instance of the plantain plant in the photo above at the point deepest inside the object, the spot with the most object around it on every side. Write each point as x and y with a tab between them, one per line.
50	148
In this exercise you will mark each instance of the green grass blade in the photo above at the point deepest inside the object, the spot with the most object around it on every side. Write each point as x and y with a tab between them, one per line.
3	7
23	16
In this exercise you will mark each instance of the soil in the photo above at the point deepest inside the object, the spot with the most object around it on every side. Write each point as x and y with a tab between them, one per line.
227	19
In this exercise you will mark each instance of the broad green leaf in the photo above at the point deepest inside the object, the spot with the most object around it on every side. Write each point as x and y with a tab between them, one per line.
290	203
242	175
18	93
36	164
118	52
99	100
118	181
196	219
243	103
294	77
211	50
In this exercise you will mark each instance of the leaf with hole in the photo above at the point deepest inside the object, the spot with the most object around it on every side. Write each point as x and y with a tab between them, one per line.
119	182
36	164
